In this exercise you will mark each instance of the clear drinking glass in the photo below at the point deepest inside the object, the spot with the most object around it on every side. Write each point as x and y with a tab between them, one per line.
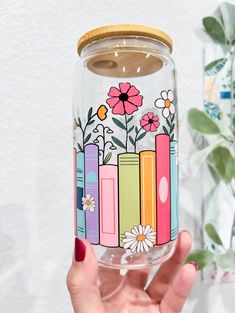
125	145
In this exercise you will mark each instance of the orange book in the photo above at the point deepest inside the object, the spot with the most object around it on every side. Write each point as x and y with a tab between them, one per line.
148	188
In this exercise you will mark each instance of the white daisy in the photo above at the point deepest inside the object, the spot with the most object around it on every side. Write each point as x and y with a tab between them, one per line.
166	103
140	239
88	203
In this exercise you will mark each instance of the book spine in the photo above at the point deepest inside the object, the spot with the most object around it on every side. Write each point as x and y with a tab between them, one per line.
81	226
108	191
174	191
91	187
148	189
75	190
163	188
129	193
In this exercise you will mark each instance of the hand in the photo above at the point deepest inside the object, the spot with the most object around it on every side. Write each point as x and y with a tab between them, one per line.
166	292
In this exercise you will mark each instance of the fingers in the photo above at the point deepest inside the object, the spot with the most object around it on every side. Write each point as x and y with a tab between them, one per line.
138	277
174	299
168	270
82	279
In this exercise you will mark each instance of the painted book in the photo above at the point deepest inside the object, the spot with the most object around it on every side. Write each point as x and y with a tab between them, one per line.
92	191
163	188
75	189
108	193
174	190
129	193
81	226
148	189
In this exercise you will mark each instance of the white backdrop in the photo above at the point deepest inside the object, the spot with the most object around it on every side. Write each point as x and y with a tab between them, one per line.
38	51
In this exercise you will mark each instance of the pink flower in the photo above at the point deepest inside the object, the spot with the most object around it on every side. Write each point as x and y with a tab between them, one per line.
149	122
124	100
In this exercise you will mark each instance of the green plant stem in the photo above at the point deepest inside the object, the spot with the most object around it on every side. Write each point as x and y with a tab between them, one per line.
126	131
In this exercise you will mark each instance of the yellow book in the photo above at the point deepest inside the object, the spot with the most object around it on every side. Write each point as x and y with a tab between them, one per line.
148	188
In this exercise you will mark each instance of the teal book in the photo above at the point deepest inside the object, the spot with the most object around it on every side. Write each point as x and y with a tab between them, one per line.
81	224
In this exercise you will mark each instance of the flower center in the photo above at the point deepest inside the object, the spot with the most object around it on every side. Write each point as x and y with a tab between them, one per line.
167	103
150	121
123	97
88	202
140	237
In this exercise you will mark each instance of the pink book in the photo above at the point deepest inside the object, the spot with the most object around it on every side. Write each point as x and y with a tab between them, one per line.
108	191
163	188
75	189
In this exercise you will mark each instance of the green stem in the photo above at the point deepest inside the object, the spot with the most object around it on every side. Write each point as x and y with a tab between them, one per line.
126	131
136	138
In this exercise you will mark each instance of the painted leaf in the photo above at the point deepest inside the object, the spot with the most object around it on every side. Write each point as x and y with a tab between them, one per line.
172	128
165	130
201	257
79	122
214	29
200	122
119	123
130	119
118	142
87	138
172	118
212	234
89	114
107	157
172	137
222	161
130	129
214	67
79	147
141	136
168	122
91	122
136	130
132	140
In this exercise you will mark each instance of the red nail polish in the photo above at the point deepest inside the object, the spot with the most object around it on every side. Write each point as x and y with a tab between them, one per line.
79	250
195	265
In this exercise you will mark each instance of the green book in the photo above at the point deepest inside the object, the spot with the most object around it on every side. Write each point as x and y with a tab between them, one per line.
129	193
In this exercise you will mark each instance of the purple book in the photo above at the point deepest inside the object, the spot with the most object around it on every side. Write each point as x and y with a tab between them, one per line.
91	201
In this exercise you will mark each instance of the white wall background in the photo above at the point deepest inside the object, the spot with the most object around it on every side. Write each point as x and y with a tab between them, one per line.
37	56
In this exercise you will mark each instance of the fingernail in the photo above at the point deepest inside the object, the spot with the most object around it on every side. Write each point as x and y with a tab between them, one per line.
79	250
195	265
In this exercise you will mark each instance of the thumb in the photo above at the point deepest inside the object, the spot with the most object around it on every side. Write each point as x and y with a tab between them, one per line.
82	279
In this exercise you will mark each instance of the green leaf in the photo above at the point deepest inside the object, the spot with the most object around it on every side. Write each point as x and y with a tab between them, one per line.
87	138
136	130
214	67
201	257
212	234
141	136
226	261
119	123
172	118
172	128
79	147
172	137
107	157
165	130
228	19
132	140
90	122
118	142
79	122
168	122
214	29
89	114
200	122
130	129
222	161
130	119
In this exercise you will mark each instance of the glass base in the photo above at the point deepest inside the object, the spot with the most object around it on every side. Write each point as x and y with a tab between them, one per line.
119	258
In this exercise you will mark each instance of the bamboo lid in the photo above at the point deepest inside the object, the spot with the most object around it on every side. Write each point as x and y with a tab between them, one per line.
121	30
121	62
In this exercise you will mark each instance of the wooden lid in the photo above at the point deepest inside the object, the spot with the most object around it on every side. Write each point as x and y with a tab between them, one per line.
123	30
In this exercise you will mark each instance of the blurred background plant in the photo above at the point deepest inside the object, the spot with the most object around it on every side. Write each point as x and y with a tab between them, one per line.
218	131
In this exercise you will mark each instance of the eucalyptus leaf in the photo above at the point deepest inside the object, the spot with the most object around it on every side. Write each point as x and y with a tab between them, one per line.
228	19
118	142
222	161
226	261
214	67
107	157
200	122
201	257
213	235
214	29
119	123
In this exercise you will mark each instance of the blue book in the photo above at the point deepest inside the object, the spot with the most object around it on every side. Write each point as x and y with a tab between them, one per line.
81	224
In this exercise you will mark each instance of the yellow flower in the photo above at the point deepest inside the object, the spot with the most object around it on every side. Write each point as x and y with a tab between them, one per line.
102	112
